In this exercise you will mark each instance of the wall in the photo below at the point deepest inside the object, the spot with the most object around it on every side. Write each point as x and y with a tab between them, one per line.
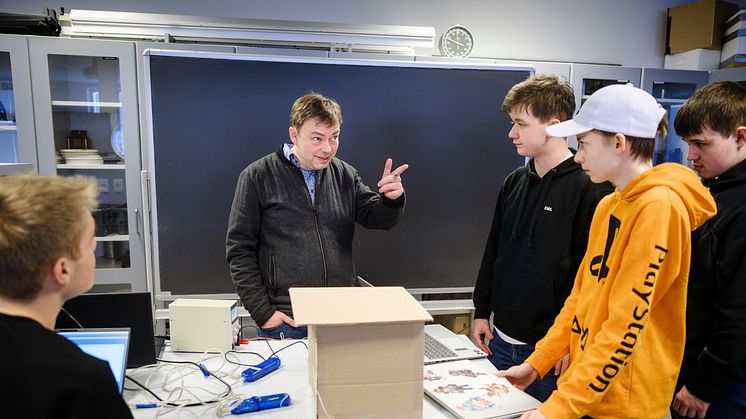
630	33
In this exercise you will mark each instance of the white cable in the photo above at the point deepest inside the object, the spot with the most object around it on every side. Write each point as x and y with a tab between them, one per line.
316	394
224	407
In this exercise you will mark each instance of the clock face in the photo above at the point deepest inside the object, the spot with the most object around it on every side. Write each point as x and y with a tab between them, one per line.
456	42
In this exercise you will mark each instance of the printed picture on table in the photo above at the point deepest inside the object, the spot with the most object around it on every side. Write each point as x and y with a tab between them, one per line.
432	376
465	373
495	389
476	404
452	388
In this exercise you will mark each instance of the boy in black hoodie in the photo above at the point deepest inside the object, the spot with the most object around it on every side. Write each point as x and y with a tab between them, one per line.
712	382
539	231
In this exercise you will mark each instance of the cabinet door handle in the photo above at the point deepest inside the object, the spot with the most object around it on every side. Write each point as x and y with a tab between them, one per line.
137	221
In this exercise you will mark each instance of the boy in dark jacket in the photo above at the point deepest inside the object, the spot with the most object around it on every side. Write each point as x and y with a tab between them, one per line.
539	230
712	382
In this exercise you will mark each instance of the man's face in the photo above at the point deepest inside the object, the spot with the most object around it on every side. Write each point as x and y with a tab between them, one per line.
528	133
315	143
712	153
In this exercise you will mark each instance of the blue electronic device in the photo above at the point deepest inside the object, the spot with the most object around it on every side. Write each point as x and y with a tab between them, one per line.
255	404
254	373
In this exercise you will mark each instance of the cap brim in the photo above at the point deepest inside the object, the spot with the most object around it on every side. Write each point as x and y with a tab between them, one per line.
567	128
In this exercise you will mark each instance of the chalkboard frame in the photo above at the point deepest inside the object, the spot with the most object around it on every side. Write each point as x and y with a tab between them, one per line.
155	270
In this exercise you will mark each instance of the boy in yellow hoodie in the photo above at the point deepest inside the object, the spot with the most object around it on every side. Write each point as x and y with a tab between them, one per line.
624	321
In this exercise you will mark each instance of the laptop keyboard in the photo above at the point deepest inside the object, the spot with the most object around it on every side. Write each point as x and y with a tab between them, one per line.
436	350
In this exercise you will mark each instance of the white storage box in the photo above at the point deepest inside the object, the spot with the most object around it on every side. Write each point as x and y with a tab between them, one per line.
696	59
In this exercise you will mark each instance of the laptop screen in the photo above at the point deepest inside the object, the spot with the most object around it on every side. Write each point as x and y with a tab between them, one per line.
109	345
115	310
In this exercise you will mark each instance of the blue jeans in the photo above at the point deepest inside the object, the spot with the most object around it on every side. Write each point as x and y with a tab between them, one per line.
283	331
506	355
729	402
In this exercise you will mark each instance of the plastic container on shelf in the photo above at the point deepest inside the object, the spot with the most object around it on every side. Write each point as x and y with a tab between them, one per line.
117	141
78	138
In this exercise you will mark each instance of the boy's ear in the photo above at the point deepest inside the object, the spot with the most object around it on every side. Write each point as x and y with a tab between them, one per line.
60	271
550	122
620	142
740	136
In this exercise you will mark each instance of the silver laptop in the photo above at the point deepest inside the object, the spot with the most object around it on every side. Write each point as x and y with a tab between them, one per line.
442	345
109	345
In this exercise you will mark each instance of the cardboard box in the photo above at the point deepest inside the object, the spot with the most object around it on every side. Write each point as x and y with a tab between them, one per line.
365	350
734	42
697	25
696	59
456	323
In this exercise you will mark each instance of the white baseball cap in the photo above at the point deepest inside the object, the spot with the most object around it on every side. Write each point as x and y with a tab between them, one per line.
617	108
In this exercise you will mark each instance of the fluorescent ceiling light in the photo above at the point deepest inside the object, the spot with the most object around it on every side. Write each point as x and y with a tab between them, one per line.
94	23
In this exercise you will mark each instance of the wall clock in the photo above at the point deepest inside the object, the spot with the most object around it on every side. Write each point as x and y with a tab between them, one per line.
456	41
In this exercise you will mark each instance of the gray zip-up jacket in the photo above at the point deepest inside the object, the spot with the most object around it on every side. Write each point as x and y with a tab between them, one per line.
277	239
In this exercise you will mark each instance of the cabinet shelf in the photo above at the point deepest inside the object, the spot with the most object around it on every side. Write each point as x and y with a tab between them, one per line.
674	101
14	168
113	238
66	166
85	104
108	264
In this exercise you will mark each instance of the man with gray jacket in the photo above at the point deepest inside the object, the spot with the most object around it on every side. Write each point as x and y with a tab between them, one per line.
294	213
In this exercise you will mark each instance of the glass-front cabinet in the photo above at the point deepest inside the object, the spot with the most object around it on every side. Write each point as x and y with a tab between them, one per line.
17	138
85	103
671	88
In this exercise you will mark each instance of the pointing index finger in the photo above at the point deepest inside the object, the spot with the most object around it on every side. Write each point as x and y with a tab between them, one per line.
399	170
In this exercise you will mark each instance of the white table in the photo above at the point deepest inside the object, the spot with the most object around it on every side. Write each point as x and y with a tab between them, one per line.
291	378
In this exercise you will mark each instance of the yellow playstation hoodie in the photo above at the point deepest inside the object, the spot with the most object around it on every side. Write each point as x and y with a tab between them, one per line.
624	321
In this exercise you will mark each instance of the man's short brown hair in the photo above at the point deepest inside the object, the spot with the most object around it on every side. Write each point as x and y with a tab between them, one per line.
42	218
543	96
315	105
720	106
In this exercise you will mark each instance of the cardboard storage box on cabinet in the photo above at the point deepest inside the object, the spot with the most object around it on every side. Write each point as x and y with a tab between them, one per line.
456	323
365	350
697	25
734	42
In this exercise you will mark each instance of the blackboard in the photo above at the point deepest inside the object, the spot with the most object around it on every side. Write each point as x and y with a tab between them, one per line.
211	117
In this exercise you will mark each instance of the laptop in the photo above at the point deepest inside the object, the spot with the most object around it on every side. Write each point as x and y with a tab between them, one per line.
442	345
109	345
115	310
